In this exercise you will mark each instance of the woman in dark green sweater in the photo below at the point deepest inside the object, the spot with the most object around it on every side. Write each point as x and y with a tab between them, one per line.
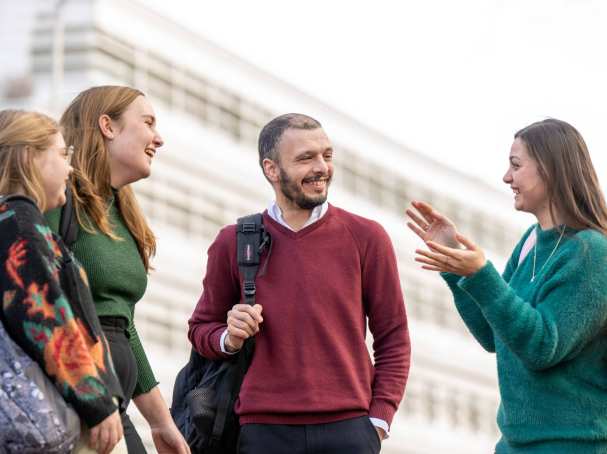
113	130
545	316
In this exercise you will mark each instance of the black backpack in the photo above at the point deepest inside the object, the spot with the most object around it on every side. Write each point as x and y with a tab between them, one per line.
205	391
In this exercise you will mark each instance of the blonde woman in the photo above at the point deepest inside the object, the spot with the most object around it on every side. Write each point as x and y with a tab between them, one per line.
55	327
113	129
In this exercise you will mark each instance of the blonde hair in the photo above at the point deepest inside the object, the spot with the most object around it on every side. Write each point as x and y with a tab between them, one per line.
24	134
91	179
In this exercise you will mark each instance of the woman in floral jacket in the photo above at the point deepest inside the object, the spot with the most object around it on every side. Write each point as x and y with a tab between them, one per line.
47	306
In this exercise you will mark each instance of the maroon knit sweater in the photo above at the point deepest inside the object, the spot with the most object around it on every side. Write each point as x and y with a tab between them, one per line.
311	363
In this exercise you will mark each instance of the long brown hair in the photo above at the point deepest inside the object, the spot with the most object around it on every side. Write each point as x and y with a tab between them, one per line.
565	166
23	134
91	180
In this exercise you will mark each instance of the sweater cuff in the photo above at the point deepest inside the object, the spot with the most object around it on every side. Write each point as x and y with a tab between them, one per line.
382	410
146	380
222	344
484	286
465	302
102	409
145	386
217	343
451	279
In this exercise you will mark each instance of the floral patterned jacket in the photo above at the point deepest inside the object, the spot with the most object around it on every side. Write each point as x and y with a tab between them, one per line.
48	310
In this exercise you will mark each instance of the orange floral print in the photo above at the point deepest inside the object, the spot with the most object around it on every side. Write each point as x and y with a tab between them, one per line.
7	298
37	301
16	259
67	356
95	347
47	233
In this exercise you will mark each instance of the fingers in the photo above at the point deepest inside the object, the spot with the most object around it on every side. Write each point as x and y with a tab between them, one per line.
440	256
434	261
419	232
433	268
444	250
169	439
429	262
418	220
104	440
105	435
243	321
425	209
433	265
94	436
181	449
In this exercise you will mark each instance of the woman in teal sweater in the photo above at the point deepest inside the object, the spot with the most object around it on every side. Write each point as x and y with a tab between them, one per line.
113	130
545	316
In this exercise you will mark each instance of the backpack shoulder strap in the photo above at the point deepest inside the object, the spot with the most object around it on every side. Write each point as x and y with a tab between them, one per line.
252	238
68	222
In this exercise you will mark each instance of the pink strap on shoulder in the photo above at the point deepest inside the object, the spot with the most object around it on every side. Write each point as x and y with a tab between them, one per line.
529	243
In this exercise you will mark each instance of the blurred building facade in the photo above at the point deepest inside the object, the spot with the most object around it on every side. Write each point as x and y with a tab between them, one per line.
210	106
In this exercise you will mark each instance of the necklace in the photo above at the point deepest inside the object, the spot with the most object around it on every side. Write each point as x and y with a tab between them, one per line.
549	257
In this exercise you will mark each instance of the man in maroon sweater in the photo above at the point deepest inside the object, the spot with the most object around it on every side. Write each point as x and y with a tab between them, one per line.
311	387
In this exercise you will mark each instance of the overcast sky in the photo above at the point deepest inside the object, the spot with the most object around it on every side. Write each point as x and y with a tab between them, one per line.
453	79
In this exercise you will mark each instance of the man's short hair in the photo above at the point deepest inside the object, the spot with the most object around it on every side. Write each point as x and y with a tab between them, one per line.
270	135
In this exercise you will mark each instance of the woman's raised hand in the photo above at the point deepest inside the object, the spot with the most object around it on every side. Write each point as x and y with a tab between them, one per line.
463	262
430	225
445	243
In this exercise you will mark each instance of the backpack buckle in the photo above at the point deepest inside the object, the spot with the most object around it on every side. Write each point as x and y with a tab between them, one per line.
248	227
249	288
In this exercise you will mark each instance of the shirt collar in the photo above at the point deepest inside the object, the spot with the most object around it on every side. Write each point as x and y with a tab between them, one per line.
316	214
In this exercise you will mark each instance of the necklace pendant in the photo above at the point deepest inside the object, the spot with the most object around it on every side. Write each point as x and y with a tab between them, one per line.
532	279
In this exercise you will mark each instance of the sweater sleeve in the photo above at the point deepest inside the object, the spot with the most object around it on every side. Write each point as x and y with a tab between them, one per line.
221	290
571	305
40	319
383	299
468	307
471	314
146	380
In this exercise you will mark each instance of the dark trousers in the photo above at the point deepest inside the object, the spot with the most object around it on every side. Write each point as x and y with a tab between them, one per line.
351	436
126	370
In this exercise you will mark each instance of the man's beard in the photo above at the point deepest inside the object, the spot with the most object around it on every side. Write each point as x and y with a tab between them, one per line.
292	191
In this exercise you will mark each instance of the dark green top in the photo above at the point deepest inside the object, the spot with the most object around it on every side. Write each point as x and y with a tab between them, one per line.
118	280
549	339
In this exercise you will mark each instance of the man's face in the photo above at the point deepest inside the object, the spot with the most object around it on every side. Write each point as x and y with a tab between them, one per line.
305	168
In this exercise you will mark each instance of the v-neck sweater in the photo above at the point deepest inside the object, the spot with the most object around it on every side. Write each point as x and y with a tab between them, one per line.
321	283
549	339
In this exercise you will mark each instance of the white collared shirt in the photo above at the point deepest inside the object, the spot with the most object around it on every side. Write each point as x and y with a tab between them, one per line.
316	215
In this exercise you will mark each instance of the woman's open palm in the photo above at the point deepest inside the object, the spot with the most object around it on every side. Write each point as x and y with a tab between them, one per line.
430	225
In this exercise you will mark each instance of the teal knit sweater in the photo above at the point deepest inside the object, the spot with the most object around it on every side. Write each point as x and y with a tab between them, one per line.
549	339
117	279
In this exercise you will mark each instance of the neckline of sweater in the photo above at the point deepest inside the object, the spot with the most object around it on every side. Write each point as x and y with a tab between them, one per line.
301	232
552	234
